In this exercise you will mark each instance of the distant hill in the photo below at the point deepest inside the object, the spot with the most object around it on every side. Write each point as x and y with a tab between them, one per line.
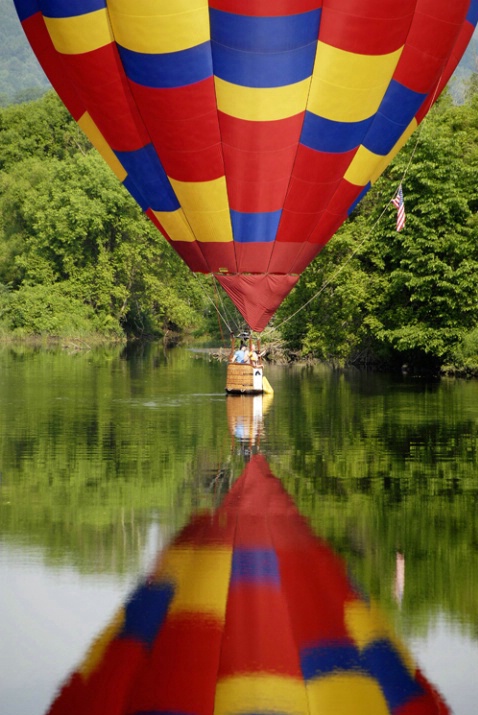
467	67
21	77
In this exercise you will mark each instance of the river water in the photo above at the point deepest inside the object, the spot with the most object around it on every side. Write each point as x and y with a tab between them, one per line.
106	454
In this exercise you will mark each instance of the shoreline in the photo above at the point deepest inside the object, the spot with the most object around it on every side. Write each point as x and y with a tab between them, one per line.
275	356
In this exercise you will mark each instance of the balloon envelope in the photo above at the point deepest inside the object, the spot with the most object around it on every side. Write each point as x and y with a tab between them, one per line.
248	612
248	130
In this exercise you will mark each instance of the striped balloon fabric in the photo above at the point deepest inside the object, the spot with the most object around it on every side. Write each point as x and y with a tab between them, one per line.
248	130
248	612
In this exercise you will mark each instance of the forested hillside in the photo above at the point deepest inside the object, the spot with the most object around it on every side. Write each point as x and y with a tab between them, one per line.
77	257
21	77
467	67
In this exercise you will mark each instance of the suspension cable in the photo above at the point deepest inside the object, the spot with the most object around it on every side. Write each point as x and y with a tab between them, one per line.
354	251
218	316
224	308
214	305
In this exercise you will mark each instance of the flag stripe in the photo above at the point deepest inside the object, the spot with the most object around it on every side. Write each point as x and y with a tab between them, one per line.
399	204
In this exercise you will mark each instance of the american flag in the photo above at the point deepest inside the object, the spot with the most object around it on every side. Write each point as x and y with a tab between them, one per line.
400	206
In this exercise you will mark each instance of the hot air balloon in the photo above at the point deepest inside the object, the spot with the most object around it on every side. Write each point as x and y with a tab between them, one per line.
248	130
248	612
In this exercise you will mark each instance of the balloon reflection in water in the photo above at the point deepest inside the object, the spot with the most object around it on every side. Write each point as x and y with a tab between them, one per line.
248	612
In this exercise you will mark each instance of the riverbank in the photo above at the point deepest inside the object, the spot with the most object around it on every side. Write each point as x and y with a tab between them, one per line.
276	354
279	355
66	343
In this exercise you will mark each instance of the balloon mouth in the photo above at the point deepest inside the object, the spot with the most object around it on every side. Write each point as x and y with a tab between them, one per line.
258	295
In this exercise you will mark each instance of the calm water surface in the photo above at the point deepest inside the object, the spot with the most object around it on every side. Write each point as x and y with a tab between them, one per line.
106	455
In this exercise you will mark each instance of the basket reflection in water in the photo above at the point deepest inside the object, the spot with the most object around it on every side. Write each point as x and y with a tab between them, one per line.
248	611
245	417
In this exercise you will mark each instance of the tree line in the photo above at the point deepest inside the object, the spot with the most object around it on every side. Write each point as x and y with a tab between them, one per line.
78	258
408	298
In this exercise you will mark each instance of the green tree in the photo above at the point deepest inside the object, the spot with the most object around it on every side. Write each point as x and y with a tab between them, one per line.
66	223
431	295
333	290
410	296
39	129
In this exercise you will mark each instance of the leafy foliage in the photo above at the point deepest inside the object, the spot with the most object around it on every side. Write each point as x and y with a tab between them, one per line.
332	318
373	296
408	297
68	228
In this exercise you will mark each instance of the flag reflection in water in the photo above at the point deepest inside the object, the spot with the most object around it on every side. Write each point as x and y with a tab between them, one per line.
248	612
